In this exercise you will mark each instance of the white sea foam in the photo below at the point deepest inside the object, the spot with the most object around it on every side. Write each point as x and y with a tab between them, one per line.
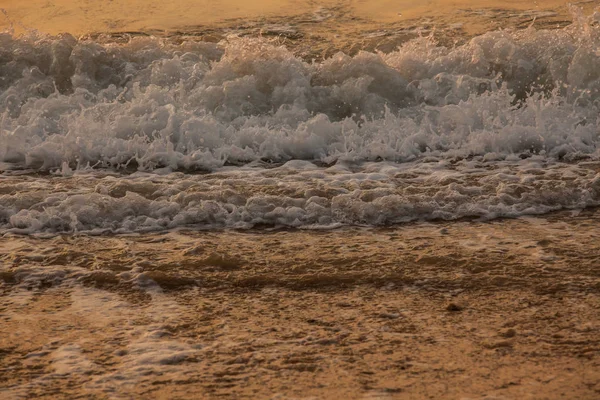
70	106
297	194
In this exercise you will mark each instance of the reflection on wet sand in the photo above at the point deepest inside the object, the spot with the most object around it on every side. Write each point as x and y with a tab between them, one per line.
450	310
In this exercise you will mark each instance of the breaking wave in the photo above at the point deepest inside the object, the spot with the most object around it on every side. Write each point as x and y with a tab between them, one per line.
503	100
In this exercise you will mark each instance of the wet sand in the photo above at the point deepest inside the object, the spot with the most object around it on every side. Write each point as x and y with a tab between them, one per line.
466	310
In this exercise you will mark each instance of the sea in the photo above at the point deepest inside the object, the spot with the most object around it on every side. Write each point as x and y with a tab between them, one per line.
129	133
121	150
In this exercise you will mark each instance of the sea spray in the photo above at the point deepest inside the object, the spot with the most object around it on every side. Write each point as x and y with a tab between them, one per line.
423	132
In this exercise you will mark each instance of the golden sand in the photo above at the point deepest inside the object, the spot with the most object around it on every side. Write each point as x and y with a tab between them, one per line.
464	310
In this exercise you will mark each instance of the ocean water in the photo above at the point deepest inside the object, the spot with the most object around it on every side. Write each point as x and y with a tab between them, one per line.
147	133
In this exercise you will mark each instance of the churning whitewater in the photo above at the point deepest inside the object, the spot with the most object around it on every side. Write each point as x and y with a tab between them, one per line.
154	134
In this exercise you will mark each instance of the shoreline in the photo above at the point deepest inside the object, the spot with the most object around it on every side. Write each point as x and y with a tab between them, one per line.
489	293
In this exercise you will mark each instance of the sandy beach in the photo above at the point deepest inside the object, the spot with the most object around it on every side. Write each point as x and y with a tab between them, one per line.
503	310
